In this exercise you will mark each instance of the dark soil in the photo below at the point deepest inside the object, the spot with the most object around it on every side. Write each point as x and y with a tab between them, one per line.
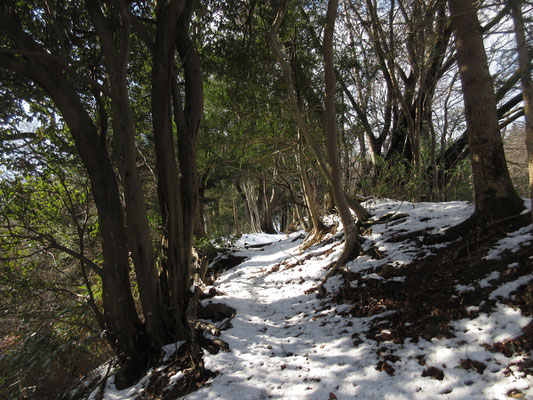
223	262
425	301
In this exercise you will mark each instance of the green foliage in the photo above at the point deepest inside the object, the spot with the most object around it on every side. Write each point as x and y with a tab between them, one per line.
395	179
43	364
205	247
459	185
48	334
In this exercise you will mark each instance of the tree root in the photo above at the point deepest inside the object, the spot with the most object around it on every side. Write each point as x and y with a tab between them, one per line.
300	261
215	312
214	345
473	226
316	235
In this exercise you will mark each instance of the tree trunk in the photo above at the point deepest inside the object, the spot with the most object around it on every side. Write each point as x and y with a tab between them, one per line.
236	217
495	196
175	275
318	229
350	228
199	224
272	39
247	194
251	200
297	209
527	85
165	313
187	127
140	240
267	222
125	331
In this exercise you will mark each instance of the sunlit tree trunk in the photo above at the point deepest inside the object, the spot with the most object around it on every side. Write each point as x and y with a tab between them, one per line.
495	196
527	85
350	228
125	331
178	194
269	201
140	241
318	228
236	217
272	38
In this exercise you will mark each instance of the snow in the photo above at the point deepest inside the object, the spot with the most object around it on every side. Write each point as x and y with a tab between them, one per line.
112	393
170	349
258	239
432	217
288	344
506	289
513	242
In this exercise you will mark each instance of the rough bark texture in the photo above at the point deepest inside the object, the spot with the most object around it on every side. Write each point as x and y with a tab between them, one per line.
138	230
175	274
527	84
350	228
318	229
495	196
267	222
247	193
124	229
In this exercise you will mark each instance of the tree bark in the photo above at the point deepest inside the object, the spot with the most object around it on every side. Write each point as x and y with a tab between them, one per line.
495	196
199	223
524	67
139	237
267	222
175	263
236	217
318	229
350	228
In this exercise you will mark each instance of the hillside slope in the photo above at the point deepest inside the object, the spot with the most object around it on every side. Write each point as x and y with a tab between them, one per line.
410	318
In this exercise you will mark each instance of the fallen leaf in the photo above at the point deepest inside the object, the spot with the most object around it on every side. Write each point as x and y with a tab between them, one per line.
434	373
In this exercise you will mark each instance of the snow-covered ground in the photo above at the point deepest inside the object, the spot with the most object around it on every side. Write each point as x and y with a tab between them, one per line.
288	344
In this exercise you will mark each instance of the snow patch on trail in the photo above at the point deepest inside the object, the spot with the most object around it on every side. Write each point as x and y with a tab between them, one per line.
249	239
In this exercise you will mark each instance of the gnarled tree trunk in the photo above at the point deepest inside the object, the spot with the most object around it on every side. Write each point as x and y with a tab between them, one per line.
125	331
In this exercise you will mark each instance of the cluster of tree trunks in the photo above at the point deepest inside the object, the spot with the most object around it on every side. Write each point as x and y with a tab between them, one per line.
124	229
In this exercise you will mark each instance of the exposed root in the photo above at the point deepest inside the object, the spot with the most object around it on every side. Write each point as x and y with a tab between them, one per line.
212	345
316	235
472	226
286	264
187	362
216	312
349	253
390	219
222	263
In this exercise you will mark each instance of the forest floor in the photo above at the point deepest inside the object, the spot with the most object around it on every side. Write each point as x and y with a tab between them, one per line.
410	318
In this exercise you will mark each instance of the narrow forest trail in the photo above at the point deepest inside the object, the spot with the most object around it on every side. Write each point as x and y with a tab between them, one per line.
277	329
285	343
404	328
